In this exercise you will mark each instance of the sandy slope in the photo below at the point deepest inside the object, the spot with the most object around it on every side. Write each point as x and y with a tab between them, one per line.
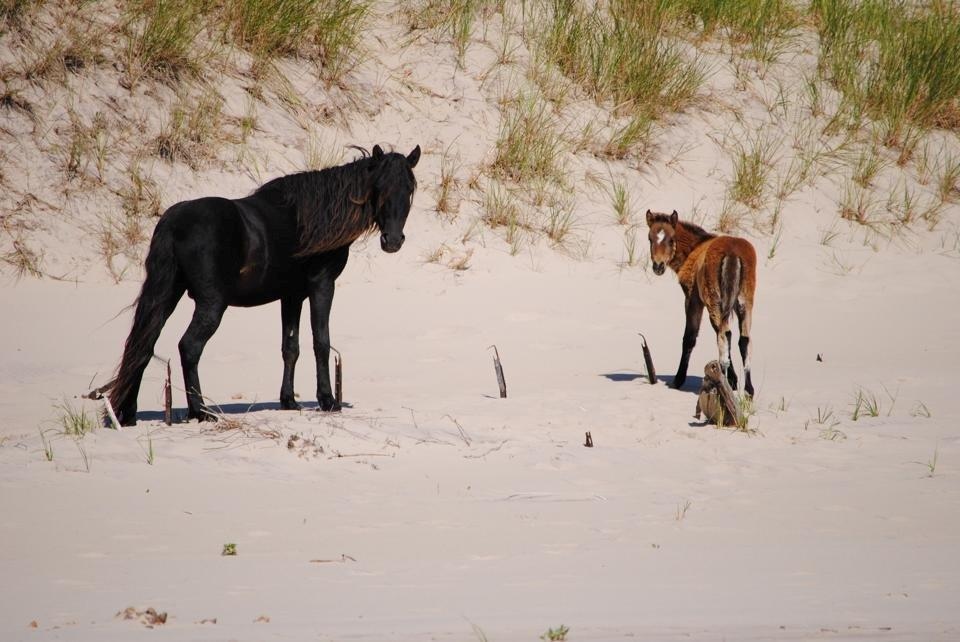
430	509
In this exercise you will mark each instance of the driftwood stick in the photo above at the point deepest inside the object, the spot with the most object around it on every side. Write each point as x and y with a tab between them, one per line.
498	368
716	399
337	375
648	360
168	398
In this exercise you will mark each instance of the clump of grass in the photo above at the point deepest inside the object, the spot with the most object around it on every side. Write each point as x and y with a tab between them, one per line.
618	53
557	634
930	464
161	39
828	425
764	26
752	164
560	220
621	203
865	403
529	146
899	61
857	205
500	209
630	245
948	181
86	143
746	410
140	198
23	259
193	130
75	422
325	30
12	12
452	18
229	549
447	202
47	445
630	138
868	165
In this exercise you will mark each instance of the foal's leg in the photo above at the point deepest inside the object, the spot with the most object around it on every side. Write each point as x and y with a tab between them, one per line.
290	308
745	317
721	326
694	309
206	319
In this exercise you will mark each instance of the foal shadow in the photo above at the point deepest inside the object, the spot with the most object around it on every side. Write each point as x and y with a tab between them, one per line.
180	414
692	383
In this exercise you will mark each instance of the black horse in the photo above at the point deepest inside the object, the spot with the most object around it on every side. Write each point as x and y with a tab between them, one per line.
289	240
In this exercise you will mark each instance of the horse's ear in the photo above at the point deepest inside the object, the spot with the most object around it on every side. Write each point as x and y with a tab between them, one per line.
414	157
674	217
377	151
649	218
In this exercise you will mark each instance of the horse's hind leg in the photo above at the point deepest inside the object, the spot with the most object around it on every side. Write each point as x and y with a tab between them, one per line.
290	308
745	317
206	319
721	325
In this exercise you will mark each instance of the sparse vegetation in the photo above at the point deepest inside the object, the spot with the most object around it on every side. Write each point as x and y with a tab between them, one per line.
529	147
74	421
556	634
864	403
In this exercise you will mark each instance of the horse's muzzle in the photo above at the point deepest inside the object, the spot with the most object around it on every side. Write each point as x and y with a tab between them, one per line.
391	245
658	268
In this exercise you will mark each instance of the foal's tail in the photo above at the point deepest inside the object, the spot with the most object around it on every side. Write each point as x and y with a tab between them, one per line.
731	276
158	298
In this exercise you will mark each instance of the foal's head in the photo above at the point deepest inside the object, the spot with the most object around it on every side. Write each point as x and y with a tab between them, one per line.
392	193
663	228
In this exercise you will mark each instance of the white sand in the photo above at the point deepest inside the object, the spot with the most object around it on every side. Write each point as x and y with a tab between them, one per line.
438	511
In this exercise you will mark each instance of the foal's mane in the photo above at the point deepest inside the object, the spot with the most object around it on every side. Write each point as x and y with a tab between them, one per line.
334	205
696	233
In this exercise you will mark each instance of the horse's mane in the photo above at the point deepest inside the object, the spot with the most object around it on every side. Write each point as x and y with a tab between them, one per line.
333	205
698	233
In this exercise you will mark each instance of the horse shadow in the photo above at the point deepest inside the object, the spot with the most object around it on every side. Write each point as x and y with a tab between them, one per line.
180	414
692	383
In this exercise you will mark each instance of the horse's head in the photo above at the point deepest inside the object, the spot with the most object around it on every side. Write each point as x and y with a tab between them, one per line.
663	227
392	193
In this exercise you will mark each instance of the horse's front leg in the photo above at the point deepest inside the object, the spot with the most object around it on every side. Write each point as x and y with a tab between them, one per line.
290	308
321	298
694	314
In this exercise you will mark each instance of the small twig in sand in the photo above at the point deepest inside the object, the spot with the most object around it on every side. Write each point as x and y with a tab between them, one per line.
492	450
463	434
343	558
337	455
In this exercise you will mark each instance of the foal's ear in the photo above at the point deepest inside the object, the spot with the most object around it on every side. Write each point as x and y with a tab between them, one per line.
414	157
377	151
674	217
649	218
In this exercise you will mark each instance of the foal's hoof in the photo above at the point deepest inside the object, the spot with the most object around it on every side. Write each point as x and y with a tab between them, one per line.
201	416
329	404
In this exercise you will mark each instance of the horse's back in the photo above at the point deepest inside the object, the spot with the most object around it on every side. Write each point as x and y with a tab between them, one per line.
709	260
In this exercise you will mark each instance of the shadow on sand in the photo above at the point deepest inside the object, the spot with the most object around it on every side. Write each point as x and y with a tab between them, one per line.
179	414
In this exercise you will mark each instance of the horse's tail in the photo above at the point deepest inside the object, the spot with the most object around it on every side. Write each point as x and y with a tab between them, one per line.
731	275
158	298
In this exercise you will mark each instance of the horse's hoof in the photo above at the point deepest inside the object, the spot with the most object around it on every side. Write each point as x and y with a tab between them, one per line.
329	404
289	404
676	384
